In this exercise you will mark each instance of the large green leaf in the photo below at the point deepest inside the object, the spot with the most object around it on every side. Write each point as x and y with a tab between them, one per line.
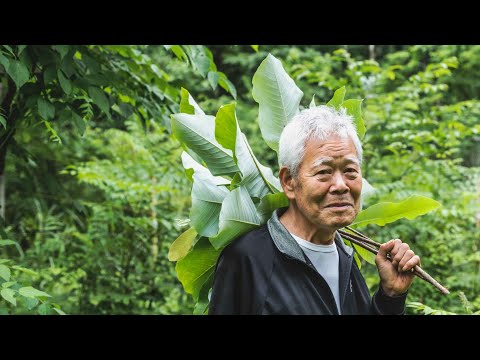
59	311
43	309
269	203
387	212
100	99
31	292
20	49
49	74
18	72
197	267
337	99
7	242
188	104
201	307
226	84
213	77
190	164
65	84
207	197
199	58
357	260
182	245
7	284
4	61
365	254
5	272
226	127
354	108
7	294
197	132
62	50
258	179
25	270
45	108
31	302
207	201
79	122
237	217
278	98
178	51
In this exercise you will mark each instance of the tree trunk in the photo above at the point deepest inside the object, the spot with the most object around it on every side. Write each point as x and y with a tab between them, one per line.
371	51
6	137
153	214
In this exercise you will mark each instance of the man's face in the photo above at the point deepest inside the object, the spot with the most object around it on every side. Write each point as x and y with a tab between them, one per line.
329	182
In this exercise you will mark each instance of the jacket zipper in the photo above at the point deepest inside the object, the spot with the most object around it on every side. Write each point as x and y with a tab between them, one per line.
320	277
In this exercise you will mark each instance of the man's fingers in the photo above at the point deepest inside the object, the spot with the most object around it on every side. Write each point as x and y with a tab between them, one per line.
410	264
400	255
392	248
385	248
405	258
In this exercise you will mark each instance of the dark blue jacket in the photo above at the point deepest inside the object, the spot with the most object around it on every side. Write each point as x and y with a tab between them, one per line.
266	272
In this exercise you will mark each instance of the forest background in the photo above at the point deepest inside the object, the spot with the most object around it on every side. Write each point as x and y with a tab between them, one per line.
93	191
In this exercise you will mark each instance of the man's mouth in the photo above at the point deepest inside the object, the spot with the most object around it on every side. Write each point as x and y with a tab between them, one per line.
339	205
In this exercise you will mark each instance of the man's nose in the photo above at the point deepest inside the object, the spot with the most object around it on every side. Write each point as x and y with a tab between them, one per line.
339	186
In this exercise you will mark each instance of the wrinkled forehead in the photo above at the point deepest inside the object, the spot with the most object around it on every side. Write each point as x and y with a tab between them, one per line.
326	160
334	149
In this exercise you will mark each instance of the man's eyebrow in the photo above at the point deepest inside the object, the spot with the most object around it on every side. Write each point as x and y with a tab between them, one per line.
322	160
353	159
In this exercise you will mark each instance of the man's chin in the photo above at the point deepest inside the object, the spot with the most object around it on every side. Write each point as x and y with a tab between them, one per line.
341	223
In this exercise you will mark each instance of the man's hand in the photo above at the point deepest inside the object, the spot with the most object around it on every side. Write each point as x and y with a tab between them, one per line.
396	276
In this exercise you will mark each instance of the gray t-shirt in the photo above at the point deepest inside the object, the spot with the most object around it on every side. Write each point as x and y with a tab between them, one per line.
325	260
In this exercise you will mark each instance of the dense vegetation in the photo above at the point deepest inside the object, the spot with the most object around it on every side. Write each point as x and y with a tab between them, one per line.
95	192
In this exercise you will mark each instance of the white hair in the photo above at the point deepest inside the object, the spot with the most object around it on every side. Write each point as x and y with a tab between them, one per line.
317	123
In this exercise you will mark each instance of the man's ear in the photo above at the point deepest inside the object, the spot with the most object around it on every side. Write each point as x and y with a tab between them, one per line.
287	182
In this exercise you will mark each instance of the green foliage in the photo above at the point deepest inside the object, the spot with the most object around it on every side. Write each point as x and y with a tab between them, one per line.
201	59
98	247
427	310
118	263
15	296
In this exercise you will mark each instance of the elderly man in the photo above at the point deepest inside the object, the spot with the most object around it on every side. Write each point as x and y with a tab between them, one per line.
297	263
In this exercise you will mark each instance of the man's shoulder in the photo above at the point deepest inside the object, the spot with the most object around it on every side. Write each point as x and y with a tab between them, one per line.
257	241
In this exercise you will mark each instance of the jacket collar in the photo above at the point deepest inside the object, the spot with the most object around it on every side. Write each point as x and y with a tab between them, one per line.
286	244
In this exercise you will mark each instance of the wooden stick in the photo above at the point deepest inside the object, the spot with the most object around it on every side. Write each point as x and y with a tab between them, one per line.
370	245
362	238
359	241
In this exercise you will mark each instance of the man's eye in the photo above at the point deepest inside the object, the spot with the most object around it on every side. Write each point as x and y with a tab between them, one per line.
351	170
324	172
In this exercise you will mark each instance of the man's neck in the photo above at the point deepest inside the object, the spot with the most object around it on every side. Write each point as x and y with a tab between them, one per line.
297	224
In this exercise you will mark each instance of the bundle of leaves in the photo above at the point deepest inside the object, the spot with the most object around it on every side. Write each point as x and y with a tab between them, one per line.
233	193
